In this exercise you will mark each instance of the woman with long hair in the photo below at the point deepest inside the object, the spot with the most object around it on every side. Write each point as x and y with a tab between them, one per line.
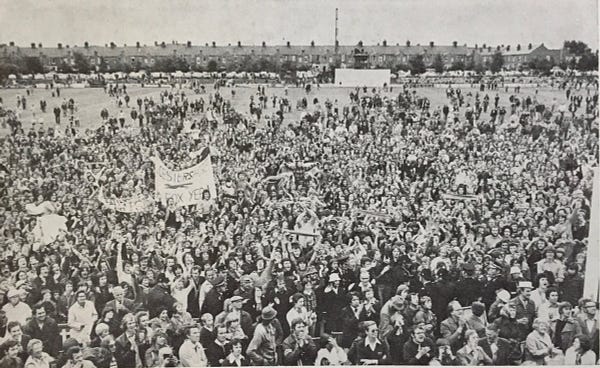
151	356
580	353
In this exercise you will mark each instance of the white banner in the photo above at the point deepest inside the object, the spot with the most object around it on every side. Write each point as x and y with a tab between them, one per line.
127	205
184	187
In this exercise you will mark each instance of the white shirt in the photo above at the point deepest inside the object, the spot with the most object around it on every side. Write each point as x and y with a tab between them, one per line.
337	356
20	312
85	316
192	355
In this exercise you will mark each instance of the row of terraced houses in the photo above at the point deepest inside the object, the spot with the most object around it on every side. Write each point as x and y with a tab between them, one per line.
358	56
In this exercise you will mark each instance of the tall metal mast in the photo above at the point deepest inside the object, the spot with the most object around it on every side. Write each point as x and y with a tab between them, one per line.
336	31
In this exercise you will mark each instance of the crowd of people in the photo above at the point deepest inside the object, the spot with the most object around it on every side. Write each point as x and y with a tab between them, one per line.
379	230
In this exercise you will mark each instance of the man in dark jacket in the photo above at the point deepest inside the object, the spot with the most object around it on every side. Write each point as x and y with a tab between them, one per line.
213	303
299	348
468	289
571	289
497	348
369	350
44	328
216	350
419	349
127	351
159	297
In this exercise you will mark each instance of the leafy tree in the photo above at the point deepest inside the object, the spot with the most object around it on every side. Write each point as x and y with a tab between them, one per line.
541	65
7	69
81	63
31	65
212	66
416	64
588	61
63	67
497	62
458	65
288	66
576	47
438	64
181	64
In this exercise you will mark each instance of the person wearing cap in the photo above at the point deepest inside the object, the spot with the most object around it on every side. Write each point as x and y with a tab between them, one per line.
15	309
493	281
502	297
235	309
299	348
159	296
468	289
215	298
525	307
262	349
332	302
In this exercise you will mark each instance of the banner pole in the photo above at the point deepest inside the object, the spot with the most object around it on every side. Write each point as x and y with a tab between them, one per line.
591	285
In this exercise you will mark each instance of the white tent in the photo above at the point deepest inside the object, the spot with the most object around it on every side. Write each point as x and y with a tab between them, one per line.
187	74
12	76
156	75
177	74
39	76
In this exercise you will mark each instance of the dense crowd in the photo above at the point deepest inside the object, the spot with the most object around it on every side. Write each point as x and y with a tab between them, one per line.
381	230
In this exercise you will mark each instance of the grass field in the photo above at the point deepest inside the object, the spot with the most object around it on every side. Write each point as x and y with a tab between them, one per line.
90	101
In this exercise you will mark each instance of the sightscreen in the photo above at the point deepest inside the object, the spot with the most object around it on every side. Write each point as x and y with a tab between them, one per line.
362	77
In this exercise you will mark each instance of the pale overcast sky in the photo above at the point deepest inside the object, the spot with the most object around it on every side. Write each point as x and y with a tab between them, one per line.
299	21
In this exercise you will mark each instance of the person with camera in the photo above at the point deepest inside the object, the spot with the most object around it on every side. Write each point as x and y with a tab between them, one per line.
299	348
330	353
166	358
